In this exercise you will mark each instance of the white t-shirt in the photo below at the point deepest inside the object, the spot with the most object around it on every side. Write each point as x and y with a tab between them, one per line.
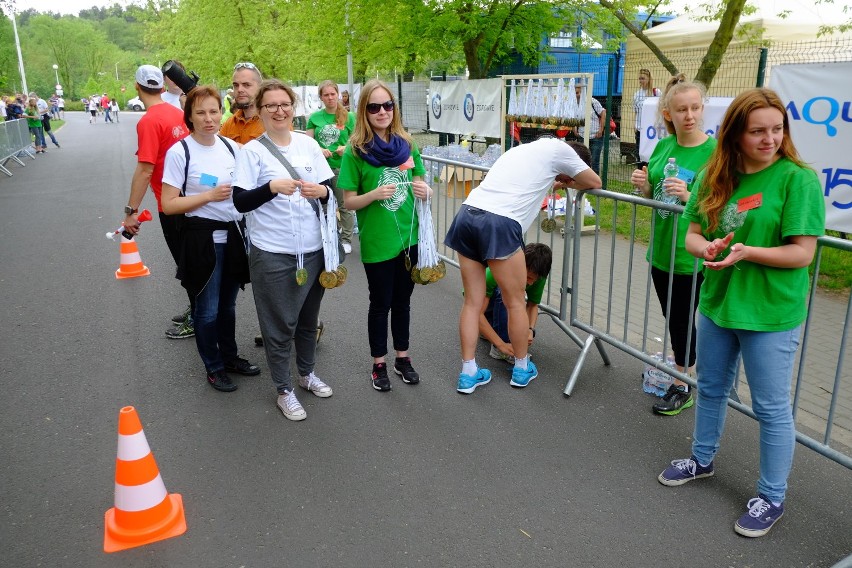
61	102
209	166
93	105
286	224
517	182
172	99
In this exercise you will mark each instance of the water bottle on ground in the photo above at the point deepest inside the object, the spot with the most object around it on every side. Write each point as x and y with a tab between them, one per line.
670	170
656	381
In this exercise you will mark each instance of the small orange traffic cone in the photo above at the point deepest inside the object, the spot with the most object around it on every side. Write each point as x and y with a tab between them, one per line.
131	263
144	512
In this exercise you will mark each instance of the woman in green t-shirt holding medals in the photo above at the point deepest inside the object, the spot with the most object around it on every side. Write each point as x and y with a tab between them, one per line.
331	128
381	174
754	221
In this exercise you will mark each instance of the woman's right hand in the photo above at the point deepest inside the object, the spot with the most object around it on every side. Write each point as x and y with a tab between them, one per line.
383	192
326	153
220	192
285	186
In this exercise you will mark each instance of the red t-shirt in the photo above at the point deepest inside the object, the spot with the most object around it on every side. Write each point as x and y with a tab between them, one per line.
158	130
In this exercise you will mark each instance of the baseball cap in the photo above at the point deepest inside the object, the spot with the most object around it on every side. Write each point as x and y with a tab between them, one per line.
149	76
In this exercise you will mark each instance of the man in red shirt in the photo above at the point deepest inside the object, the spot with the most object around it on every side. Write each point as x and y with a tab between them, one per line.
160	127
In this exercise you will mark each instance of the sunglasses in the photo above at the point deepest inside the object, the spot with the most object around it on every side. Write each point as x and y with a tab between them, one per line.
245	65
374	108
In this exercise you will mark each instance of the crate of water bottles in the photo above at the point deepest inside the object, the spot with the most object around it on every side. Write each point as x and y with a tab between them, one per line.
656	381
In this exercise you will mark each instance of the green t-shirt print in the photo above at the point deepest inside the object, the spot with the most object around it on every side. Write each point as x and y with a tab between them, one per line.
328	136
690	161
754	296
387	226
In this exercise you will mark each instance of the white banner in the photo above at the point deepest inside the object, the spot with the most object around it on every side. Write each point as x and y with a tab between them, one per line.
653	129
817	96
466	107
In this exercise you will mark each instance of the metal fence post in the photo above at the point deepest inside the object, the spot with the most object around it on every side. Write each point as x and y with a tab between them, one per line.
761	66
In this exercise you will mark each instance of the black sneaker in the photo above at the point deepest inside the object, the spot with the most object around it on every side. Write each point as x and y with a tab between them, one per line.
242	367
183	331
258	340
675	400
181	317
381	382
220	381
402	367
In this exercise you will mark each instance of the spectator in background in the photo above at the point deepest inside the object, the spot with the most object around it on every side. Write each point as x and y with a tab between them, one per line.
646	89
331	127
54	107
344	100
114	107
33	117
596	124
245	125
105	107
173	94
15	107
93	109
61	103
3	107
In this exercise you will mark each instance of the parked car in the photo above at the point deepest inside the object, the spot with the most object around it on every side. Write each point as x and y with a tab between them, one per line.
135	104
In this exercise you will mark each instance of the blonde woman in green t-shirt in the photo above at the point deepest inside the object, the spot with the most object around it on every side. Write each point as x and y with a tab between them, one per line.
381	174
754	222
682	110
331	128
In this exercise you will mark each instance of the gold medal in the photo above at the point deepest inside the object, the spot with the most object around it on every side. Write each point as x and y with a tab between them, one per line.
426	273
548	225
301	276
408	264
415	275
442	268
328	279
436	274
342	273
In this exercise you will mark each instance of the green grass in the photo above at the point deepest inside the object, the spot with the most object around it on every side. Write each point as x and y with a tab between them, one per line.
835	268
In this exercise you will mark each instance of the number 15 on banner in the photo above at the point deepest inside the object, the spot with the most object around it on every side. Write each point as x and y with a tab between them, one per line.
834	178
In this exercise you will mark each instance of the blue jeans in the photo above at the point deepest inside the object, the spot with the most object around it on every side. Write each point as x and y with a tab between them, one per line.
38	132
595	147
497	315
768	358
215	316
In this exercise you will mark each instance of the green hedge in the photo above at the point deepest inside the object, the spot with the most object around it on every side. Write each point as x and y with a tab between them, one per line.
74	105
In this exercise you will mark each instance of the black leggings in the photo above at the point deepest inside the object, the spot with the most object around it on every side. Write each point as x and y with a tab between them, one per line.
680	310
390	287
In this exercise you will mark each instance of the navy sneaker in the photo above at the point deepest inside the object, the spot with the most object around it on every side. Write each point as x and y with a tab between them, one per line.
760	517
684	471
521	377
468	383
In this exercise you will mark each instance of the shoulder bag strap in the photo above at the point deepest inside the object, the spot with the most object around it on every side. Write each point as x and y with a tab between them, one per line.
185	167
273	149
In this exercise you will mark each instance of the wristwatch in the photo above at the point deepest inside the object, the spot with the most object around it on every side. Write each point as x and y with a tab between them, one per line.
128	210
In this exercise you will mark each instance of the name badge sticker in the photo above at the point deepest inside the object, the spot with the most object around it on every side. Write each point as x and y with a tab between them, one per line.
409	164
749	203
208	180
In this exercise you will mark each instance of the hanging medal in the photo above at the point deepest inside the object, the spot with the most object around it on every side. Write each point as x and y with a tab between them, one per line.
301	271
428	265
548	224
407	261
330	277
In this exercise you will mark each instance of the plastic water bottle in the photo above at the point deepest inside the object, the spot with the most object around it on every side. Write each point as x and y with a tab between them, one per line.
670	170
656	381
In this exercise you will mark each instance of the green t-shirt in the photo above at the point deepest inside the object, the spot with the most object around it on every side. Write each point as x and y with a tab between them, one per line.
387	226
534	290
329	136
754	296
690	161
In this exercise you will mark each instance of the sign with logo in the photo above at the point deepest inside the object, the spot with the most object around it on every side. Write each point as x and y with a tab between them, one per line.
653	129
819	107
466	107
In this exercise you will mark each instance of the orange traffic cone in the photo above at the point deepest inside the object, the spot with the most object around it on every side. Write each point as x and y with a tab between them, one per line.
144	512
131	263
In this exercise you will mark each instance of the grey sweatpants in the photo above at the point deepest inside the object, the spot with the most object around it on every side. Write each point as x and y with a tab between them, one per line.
287	312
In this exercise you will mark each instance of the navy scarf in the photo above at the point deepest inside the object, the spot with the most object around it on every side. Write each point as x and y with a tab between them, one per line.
390	154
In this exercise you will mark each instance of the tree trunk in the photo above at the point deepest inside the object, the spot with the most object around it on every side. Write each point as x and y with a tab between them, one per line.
713	58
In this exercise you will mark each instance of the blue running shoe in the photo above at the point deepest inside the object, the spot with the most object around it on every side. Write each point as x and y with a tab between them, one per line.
521	378
468	383
760	517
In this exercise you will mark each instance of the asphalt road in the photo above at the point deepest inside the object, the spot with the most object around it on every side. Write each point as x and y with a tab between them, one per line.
420	476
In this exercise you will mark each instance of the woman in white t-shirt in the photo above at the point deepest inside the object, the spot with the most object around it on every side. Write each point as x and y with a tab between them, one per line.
646	89
286	256
212	264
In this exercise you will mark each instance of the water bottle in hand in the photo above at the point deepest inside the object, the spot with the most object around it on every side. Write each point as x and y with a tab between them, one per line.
670	170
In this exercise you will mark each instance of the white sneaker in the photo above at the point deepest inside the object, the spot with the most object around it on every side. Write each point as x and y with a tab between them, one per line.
347	248
497	354
290	406
313	384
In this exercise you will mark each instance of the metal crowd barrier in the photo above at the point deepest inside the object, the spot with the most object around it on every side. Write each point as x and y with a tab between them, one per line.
600	286
15	141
